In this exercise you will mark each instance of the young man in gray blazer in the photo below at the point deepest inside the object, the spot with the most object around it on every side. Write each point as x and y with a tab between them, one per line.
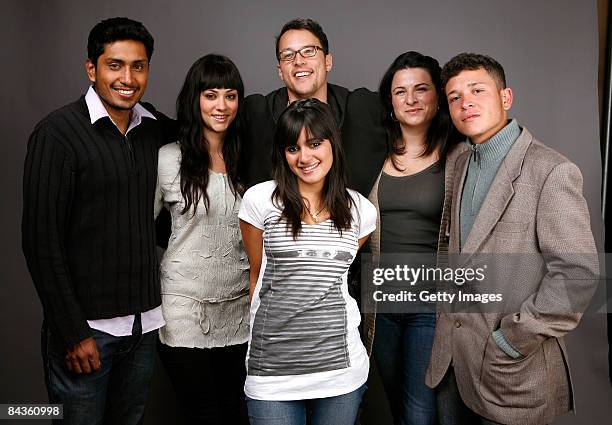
511	195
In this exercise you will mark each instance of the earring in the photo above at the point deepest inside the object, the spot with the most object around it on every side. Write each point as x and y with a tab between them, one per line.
393	117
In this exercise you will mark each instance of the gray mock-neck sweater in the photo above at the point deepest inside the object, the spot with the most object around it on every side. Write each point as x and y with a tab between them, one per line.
484	163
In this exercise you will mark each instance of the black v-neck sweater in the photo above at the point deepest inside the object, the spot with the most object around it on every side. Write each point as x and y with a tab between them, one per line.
88	231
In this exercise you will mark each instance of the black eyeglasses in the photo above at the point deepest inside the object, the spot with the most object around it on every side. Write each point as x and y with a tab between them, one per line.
306	52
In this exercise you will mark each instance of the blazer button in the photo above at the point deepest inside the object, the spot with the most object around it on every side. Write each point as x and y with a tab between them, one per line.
457	324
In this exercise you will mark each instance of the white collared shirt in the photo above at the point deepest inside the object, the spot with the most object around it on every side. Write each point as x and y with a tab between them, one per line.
152	319
98	111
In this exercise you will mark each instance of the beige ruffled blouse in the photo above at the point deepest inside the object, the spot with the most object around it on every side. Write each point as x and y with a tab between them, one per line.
205	270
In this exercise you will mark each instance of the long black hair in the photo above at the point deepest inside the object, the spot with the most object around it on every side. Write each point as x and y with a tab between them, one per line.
441	133
209	72
317	119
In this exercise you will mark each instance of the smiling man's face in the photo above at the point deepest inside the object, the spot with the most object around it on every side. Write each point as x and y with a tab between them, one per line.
304	77
120	75
478	107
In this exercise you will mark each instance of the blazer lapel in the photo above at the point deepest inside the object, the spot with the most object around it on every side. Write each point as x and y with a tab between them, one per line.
459	178
492	208
499	194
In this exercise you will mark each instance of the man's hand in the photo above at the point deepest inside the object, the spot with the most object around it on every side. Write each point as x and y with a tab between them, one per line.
83	357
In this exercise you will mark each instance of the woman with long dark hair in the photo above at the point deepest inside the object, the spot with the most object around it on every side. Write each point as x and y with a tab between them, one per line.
302	231
204	271
408	196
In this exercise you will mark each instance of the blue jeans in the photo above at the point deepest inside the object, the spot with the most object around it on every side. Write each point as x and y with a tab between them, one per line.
402	347
338	410
114	394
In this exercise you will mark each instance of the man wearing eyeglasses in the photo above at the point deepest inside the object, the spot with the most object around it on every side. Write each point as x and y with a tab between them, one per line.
302	51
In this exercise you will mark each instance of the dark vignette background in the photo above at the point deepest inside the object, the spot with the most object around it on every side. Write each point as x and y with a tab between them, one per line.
549	49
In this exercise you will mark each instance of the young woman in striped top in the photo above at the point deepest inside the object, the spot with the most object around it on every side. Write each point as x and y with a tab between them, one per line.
301	232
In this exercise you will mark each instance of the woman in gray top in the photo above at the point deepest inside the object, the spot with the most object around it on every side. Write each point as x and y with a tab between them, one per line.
205	271
408	196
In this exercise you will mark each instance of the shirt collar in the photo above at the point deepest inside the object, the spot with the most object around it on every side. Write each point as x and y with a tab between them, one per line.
97	110
495	149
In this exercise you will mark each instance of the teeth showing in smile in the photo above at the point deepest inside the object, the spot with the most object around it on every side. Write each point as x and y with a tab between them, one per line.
302	74
310	167
126	92
219	117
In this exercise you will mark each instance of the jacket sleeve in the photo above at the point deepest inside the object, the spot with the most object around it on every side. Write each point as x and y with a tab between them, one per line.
257	132
566	242
364	139
48	188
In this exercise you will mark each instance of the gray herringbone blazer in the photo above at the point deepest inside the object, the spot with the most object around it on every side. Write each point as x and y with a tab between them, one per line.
534	205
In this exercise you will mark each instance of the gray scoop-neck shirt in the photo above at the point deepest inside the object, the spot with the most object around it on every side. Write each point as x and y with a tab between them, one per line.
410	211
205	270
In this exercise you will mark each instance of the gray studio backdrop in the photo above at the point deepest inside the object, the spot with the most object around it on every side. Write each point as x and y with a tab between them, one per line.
548	47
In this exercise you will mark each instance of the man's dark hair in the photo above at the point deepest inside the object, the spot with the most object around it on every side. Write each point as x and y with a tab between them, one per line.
117	29
474	61
304	24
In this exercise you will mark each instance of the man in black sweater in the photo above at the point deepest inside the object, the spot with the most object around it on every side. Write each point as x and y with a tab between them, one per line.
89	237
304	59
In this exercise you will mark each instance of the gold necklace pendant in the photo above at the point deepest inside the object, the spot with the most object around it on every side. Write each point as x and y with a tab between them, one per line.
315	217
